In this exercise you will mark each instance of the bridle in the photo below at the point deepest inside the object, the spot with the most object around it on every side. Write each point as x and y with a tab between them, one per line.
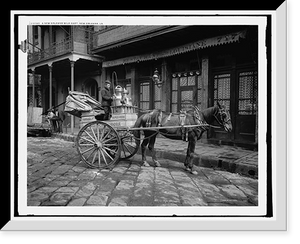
220	113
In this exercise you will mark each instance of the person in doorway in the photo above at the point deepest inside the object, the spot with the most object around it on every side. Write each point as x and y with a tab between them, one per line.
107	99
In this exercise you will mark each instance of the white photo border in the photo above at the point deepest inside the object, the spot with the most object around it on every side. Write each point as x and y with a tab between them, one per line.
260	21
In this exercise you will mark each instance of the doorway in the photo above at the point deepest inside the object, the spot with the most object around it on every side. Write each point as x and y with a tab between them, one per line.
237	89
90	86
184	91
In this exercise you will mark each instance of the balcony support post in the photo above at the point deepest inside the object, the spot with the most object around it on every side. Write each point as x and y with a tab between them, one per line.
50	85
72	89
33	89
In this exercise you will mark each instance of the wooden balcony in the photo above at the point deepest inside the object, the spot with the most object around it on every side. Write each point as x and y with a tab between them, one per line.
79	41
115	36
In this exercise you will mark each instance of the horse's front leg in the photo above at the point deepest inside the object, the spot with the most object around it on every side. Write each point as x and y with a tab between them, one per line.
152	150
190	154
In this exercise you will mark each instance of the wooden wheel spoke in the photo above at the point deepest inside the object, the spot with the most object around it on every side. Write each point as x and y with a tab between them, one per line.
108	133
110	145
109	149
110	139
125	146
94	133
94	158
83	138
104	150
90	154
103	157
90	136
86	145
98	135
87	150
102	134
99	159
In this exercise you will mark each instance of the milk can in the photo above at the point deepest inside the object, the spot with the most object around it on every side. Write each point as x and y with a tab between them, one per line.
118	91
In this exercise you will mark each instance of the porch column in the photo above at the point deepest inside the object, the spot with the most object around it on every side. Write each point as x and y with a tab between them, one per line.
50	39
205	103
134	87
166	87
102	80
72	89
50	85
205	72
33	88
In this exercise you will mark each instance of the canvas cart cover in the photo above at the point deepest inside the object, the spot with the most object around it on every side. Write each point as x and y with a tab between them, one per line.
78	102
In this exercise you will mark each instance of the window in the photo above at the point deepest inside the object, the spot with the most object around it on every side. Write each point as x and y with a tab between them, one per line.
35	35
247	93
174	104
157	97
222	89
145	95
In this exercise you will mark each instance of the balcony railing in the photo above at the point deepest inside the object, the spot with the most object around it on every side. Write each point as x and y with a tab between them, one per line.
79	41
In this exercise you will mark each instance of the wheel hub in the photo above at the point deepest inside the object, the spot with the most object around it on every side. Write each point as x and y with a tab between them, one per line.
98	144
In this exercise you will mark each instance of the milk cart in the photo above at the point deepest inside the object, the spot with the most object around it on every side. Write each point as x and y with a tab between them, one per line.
101	144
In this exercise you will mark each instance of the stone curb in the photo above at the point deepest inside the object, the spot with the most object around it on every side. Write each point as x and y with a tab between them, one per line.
212	162
201	160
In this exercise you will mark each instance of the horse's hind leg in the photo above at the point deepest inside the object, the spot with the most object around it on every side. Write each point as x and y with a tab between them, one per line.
152	150
143	149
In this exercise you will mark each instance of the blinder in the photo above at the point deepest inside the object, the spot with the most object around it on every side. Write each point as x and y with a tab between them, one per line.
221	116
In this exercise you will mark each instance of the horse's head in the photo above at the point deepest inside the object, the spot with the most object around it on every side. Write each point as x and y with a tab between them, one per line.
223	117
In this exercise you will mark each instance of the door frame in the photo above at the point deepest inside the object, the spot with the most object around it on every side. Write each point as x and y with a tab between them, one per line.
241	69
234	97
219	71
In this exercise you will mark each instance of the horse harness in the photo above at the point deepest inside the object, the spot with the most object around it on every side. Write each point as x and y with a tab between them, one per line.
203	126
221	113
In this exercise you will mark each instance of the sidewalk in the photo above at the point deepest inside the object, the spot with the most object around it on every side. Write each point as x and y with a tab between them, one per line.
230	158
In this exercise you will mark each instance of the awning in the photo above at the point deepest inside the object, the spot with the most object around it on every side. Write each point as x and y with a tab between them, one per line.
201	44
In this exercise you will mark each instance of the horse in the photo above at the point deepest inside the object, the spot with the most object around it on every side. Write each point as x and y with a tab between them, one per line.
177	128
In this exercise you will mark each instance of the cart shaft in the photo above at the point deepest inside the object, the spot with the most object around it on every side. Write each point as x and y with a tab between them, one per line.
170	127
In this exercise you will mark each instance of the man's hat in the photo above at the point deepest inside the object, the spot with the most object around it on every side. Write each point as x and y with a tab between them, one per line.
107	82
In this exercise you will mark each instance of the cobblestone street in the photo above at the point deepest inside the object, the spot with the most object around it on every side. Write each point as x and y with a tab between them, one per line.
56	177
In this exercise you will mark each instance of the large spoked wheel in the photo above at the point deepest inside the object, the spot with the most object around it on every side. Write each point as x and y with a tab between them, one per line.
98	145
129	144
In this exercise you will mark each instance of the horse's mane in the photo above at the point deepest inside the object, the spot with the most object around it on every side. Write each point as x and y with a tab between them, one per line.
209	112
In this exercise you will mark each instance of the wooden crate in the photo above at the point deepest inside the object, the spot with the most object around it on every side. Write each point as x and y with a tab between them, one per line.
34	115
86	117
